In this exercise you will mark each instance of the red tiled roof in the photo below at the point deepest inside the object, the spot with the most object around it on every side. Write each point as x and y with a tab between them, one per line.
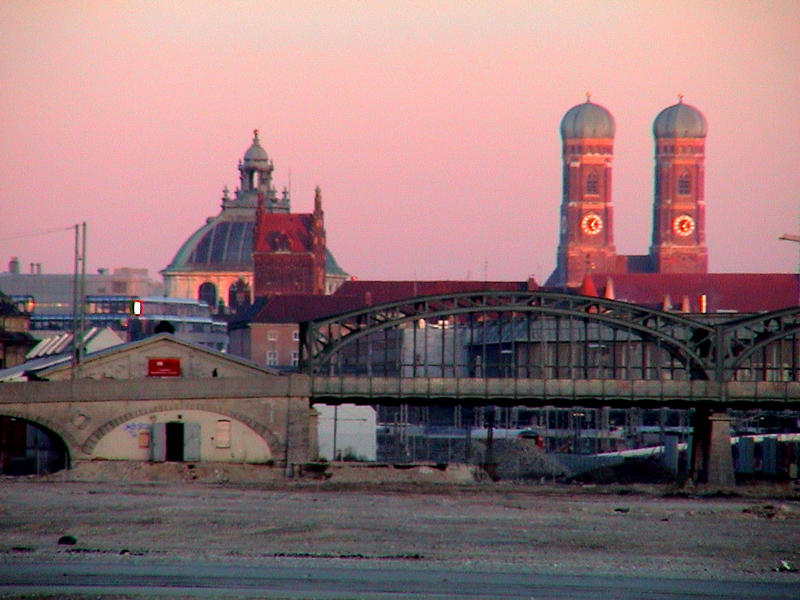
741	292
284	232
379	292
295	308
353	295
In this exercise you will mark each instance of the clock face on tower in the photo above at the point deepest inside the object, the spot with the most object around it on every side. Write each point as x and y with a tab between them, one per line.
683	225
591	223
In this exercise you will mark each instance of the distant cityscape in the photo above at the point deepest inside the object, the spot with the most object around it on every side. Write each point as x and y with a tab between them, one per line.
245	281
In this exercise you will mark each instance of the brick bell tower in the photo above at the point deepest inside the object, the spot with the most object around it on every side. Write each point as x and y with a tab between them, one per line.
586	241
289	251
679	209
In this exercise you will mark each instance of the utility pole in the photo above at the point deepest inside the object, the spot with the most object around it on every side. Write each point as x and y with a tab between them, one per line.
78	297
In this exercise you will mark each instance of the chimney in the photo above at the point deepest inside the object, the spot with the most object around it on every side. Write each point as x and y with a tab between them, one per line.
13	265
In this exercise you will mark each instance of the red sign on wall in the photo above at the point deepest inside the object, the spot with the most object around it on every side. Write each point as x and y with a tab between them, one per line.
164	367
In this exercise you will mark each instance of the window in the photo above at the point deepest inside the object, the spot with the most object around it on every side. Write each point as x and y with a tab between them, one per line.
272	335
208	293
272	358
144	438
684	184
592	185
296	335
223	437
295	358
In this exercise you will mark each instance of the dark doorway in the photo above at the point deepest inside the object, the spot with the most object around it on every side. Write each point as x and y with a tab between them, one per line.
164	327
28	449
175	441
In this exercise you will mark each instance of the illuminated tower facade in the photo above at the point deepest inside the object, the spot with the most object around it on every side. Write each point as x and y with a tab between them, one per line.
679	209
586	239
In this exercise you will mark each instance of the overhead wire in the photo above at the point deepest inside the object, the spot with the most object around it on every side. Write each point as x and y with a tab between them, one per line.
36	233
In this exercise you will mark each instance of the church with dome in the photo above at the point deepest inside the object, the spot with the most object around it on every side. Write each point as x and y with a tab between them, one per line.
673	275
216	264
257	248
586	242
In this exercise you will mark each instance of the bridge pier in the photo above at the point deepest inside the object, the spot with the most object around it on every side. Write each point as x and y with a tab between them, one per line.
712	458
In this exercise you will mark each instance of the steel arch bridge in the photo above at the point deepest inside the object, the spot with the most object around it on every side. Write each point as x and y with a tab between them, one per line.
505	347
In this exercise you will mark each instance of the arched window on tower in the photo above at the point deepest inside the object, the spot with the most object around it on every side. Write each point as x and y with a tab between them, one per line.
592	183
254	180
684	184
208	293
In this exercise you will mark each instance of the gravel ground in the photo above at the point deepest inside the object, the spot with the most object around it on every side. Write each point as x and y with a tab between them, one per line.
182	514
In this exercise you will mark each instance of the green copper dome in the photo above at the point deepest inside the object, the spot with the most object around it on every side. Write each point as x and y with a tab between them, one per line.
680	121
587	120
224	243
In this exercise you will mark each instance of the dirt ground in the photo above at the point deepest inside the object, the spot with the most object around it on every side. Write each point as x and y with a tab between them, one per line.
228	513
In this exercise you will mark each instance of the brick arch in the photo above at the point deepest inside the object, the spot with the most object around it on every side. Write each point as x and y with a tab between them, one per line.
271	439
71	444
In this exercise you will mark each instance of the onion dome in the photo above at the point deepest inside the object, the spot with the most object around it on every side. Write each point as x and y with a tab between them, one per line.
587	120
680	121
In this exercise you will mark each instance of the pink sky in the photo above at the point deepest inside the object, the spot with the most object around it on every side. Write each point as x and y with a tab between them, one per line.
431	127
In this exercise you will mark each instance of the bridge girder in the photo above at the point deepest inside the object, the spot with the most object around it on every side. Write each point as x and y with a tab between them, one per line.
324	338
706	347
743	337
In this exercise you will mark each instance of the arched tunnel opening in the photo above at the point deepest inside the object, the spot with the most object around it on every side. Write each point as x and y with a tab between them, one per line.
27	448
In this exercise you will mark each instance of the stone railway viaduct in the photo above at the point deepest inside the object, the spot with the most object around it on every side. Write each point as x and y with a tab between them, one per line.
81	412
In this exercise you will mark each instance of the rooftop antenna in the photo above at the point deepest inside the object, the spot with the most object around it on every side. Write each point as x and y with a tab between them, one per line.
790	237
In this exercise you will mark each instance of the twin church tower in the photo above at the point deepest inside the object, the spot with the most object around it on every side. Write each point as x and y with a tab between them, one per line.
586	242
